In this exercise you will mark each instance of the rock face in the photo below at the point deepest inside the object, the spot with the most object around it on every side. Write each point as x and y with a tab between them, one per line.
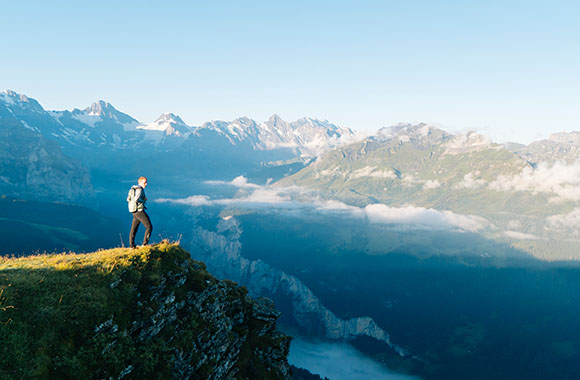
144	314
222	253
34	167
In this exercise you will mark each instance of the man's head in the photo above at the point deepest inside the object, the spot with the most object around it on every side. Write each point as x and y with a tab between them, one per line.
142	182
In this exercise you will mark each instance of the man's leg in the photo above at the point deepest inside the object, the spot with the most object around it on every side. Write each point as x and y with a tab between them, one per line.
144	218
134	227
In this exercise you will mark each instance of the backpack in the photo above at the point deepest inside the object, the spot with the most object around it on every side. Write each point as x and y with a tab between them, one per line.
132	198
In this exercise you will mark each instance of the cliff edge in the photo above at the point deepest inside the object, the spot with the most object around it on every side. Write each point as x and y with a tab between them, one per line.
149	313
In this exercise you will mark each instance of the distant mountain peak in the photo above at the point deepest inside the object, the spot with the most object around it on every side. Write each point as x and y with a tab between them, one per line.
169	117
12	98
100	108
566	137
276	119
169	124
106	111
407	131
11	93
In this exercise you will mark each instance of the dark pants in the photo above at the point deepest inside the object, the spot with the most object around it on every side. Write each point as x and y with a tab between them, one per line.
138	218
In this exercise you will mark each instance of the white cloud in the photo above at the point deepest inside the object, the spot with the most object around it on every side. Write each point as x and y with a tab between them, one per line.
274	197
431	184
239	181
338	361
514	224
424	217
521	236
565	222
558	179
408	180
373	172
470	182
194	200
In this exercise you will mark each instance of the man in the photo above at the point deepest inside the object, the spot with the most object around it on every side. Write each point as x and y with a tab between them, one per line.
137	199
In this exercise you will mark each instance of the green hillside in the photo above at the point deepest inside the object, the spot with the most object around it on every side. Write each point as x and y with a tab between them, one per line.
149	313
424	167
30	227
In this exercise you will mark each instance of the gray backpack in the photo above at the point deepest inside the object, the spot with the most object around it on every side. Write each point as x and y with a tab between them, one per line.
132	198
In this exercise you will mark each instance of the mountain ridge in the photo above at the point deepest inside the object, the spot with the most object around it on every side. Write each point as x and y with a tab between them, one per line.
146	313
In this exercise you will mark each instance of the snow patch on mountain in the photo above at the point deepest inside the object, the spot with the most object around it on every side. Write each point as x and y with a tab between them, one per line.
13	100
7	96
87	118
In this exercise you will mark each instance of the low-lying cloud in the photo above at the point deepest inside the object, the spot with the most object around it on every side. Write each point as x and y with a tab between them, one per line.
338	361
470	181
521	235
566	223
373	172
254	196
558	179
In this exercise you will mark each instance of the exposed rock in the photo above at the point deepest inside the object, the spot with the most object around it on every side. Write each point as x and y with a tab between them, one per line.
223	255
33	167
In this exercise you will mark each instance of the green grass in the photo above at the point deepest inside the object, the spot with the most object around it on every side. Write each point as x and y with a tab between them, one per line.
51	307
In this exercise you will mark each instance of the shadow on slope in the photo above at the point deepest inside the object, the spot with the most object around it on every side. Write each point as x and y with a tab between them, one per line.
28	227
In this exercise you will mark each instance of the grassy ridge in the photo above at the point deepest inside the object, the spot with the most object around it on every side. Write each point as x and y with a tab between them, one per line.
69	316
51	304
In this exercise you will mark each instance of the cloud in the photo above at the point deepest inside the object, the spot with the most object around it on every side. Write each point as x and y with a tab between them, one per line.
258	197
431	184
424	218
559	179
470	182
373	172
566	223
239	181
521	236
338	361
274	197
194	200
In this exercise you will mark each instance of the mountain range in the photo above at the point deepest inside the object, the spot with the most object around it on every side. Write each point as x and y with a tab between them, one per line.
526	195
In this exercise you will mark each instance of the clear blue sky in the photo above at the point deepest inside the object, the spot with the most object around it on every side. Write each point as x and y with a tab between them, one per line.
510	69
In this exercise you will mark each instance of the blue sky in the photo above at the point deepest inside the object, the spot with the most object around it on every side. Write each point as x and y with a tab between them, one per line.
510	69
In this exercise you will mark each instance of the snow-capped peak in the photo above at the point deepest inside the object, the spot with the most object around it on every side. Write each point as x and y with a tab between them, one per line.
13	99
101	108
169	118
105	110
168	123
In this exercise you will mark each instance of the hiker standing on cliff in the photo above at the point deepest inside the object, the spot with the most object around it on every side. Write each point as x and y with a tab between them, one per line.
137	199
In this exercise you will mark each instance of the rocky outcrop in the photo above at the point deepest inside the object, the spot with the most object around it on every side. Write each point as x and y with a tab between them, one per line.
231	328
167	318
222	253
